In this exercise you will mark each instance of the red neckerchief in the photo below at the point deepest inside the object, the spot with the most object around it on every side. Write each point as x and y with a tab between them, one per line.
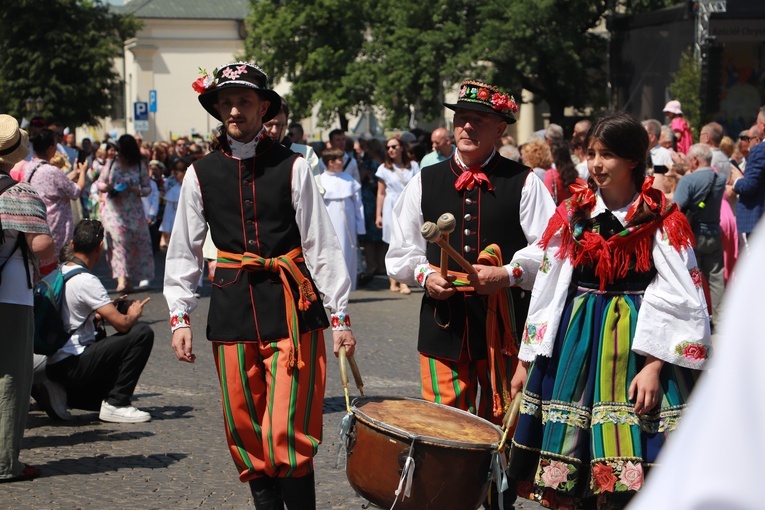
472	176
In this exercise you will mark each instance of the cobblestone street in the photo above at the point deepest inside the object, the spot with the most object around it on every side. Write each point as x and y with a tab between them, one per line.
180	459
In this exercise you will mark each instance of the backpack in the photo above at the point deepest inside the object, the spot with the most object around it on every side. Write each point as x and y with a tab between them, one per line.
50	334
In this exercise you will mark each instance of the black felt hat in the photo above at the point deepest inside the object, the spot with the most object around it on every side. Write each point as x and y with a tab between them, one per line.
237	74
482	97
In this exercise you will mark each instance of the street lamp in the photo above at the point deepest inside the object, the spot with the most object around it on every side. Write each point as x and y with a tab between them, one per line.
34	106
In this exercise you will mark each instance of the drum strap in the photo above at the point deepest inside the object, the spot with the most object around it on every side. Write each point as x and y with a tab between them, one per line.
407	474
500	324
285	265
499	475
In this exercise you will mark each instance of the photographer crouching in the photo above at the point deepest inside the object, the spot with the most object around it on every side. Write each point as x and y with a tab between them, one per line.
98	374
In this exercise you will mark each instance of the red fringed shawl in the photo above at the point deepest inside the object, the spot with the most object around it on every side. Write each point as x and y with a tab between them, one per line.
613	257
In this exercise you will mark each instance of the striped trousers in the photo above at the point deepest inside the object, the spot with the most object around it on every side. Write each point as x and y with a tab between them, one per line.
457	383
272	414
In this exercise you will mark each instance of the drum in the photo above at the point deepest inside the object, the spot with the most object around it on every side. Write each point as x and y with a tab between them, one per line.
452	452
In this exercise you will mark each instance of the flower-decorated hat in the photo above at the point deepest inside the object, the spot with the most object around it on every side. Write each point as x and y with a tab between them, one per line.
237	74
482	97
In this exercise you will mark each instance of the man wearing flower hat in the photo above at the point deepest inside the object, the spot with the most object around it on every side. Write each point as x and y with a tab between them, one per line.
277	254
501	209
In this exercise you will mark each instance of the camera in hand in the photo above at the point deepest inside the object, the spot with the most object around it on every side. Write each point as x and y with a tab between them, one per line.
123	305
660	169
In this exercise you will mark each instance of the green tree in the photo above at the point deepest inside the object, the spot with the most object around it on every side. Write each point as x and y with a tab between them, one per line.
686	88
62	51
316	45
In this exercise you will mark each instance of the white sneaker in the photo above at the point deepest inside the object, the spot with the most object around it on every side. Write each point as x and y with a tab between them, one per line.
144	283
51	396
124	414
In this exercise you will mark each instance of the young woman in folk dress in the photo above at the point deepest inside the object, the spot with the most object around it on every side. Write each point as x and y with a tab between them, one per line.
616	333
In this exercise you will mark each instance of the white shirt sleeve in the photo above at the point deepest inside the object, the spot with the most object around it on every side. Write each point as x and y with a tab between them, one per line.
673	323
321	249
184	254
407	246
536	209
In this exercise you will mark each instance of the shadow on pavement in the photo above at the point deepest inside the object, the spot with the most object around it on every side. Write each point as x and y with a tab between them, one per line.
108	463
86	436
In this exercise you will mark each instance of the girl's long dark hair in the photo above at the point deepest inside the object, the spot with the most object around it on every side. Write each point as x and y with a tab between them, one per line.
623	135
129	150
404	155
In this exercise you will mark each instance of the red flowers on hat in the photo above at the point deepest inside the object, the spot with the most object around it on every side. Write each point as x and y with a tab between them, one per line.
504	103
205	82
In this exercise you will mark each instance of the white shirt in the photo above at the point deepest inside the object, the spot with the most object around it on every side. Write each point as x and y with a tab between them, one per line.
151	201
321	249
661	156
83	295
407	247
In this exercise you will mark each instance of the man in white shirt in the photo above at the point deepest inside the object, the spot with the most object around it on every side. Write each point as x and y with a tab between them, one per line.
99	374
278	256
501	210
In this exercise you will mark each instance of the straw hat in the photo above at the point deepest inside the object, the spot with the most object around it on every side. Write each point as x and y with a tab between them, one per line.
14	143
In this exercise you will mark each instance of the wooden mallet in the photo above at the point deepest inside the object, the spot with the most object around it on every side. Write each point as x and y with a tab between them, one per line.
446	224
431	234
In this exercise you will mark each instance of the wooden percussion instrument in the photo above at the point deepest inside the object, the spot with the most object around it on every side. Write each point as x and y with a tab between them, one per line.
451	451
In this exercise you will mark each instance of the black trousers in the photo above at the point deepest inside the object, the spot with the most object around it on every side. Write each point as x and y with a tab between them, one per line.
107	370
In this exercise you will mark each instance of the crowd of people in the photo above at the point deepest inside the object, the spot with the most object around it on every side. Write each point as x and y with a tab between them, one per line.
591	278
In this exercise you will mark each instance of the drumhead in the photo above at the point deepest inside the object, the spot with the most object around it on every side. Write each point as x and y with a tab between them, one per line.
428	421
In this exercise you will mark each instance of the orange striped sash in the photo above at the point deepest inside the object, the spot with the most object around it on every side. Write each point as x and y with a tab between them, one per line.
285	265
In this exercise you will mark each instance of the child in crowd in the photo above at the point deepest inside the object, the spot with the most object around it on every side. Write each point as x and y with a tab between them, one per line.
172	196
342	196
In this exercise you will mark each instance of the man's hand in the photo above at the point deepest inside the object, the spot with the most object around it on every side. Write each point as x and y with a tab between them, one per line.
340	338
438	288
182	345
136	308
519	378
489	279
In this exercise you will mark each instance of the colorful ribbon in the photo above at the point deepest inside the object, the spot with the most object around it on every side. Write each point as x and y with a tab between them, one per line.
470	178
284	265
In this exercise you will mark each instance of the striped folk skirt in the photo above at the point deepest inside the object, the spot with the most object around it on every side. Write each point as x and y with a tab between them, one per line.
577	435
272	414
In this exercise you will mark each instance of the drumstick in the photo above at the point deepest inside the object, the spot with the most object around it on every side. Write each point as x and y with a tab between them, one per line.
509	420
431	233
342	356
446	224
356	374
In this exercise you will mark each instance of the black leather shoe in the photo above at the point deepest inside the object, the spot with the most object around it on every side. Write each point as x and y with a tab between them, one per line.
266	494
299	493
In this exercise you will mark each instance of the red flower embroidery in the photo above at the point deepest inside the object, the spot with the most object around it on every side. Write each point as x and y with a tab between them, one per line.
604	477
347	321
420	277
483	94
695	351
517	273
696	276
335	322
173	321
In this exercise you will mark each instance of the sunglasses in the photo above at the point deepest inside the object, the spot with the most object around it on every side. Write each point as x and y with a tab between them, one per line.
744	138
389	147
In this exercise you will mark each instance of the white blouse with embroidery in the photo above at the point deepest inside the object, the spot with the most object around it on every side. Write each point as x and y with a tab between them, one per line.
672	324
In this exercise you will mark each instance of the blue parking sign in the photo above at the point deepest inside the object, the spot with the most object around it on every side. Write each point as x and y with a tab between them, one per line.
153	101
140	110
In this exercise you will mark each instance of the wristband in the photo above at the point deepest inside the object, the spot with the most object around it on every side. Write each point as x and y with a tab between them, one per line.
179	319
341	322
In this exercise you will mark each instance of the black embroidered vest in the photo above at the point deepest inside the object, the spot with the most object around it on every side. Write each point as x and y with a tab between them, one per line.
248	206
482	218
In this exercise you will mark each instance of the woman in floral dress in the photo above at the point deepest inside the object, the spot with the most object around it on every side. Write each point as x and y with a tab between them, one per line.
128	244
616	333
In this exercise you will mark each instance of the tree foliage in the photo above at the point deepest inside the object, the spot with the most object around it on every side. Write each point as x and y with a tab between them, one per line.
62	51
400	56
686	87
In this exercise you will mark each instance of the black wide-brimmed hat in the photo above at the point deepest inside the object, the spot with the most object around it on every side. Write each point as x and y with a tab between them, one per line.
237	74
482	97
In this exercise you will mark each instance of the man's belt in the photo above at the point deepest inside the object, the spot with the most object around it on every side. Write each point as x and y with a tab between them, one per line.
285	265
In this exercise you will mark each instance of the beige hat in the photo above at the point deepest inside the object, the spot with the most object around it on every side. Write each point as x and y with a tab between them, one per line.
14	143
